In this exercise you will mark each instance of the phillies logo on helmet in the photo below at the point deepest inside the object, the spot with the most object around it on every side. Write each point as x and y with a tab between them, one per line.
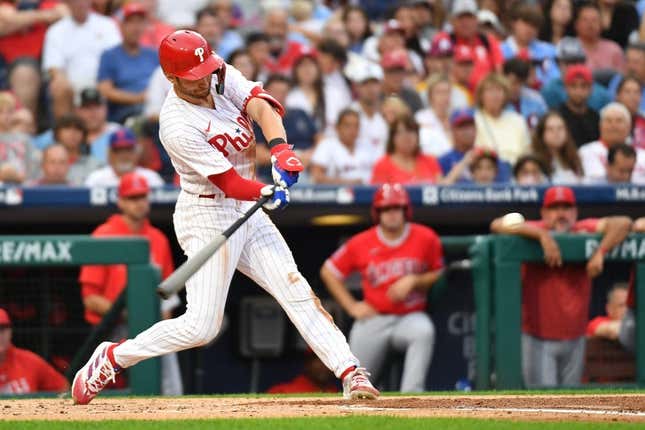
199	52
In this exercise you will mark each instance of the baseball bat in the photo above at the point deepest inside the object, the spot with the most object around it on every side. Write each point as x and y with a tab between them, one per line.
177	280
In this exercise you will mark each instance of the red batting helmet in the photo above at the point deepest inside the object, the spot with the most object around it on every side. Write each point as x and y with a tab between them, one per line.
187	55
391	195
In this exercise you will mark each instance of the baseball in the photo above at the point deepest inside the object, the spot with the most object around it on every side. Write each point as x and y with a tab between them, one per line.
513	219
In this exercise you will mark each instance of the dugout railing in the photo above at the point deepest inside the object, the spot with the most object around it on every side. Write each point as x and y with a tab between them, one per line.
496	262
139	296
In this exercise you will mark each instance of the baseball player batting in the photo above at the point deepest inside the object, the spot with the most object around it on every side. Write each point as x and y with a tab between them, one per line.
206	128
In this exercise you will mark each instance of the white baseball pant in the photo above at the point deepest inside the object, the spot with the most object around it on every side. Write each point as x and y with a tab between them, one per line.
258	250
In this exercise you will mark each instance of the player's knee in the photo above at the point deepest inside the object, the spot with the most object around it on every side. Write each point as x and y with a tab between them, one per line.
425	331
200	330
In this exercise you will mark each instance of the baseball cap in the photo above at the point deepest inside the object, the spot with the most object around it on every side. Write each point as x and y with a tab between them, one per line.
359	71
463	54
556	195
91	96
393	26
133	184
5	321
441	47
570	49
485	153
487	17
464	7
397	59
578	71
462	116
306	51
132	9
123	138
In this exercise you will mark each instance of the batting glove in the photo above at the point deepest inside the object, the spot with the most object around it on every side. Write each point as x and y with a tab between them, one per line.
285	168
278	197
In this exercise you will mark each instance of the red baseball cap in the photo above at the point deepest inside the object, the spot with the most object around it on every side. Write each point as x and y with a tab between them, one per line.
133	184
463	54
578	71
132	9
397	59
441	48
558	195
4	318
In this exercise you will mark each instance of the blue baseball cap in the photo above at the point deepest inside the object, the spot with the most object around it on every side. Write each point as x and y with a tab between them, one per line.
123	138
462	116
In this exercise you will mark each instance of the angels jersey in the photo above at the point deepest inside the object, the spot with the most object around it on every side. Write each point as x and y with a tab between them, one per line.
382	262
203	141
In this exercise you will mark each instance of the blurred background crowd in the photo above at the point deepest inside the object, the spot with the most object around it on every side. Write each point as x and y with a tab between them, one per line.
417	91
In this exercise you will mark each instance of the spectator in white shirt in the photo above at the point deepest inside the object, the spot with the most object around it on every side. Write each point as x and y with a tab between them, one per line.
434	121
366	78
339	160
123	159
73	47
615	126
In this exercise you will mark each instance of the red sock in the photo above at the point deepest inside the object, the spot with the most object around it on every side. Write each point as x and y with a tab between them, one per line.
110	354
346	372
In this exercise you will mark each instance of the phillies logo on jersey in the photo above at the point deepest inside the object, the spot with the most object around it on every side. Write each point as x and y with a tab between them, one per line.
240	141
379	273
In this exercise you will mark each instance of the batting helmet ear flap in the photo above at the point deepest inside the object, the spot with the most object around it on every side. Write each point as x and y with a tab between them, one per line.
221	76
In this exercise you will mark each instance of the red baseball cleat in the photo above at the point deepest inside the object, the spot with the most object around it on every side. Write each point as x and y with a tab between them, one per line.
357	385
95	375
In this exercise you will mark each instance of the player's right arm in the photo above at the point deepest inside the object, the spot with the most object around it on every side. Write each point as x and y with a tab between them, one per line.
333	272
532	231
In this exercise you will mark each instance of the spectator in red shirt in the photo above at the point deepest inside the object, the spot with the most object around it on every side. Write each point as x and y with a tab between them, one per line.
555	296
156	29
403	162
399	261
487	54
102	285
608	326
22	371
315	378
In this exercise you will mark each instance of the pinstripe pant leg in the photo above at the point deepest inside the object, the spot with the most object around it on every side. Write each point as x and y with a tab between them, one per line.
206	291
267	260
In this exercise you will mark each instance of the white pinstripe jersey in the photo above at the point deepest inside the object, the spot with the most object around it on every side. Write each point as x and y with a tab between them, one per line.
202	141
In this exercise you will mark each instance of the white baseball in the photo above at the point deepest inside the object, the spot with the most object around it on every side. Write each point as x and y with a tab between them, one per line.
512	219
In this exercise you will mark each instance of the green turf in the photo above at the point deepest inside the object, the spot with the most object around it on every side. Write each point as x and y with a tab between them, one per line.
336	423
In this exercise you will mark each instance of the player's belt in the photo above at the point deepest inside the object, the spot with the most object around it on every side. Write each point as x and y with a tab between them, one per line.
208	196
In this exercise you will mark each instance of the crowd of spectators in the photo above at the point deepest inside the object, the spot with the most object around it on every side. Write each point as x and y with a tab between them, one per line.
416	91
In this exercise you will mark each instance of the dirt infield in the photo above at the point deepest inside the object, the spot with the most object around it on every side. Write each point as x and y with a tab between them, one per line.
630	407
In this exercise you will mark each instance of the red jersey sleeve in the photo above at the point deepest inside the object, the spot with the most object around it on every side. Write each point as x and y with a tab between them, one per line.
48	378
594	324
435	256
343	261
587	225
93	280
168	265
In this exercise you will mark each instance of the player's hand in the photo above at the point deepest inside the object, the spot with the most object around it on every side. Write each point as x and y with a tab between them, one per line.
552	256
285	168
362	310
400	289
595	265
278	197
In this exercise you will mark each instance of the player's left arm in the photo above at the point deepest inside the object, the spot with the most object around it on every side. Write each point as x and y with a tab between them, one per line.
614	230
286	165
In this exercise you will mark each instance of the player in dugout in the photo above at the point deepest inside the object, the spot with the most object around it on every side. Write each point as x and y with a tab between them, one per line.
555	295
399	261
22	371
